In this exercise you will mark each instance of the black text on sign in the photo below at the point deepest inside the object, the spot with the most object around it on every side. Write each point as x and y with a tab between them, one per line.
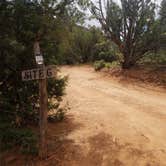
37	74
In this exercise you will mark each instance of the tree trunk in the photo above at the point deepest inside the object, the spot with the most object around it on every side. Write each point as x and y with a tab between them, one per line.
128	63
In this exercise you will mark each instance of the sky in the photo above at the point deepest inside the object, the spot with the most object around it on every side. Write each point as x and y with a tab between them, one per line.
94	22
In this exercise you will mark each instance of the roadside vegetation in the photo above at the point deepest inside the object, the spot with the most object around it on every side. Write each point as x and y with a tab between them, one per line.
20	22
133	34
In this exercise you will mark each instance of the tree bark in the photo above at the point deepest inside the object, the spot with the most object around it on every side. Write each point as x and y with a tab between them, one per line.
127	62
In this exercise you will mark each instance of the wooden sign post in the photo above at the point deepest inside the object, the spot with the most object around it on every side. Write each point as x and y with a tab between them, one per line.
41	73
43	118
43	103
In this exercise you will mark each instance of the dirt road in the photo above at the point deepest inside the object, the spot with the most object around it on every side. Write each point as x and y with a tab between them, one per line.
121	125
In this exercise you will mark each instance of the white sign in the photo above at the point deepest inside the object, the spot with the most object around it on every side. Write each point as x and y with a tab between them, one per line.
39	59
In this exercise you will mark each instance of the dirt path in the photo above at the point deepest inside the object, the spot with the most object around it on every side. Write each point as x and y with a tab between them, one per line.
116	124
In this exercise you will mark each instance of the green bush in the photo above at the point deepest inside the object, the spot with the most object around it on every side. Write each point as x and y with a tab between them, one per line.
24	138
58	116
12	121
114	64
105	50
58	112
98	65
158	58
107	65
56	87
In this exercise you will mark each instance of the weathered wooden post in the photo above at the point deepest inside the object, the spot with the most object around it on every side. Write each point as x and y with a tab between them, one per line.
41	73
43	103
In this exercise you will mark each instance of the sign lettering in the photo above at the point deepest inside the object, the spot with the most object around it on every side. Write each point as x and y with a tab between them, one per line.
39	73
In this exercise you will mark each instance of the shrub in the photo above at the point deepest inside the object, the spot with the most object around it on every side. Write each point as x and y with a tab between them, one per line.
98	65
13	121
24	138
155	59
115	64
58	112
104	50
107	65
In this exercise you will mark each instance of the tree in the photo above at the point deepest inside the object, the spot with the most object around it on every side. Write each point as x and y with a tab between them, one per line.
20	22
163	13
129	26
162	20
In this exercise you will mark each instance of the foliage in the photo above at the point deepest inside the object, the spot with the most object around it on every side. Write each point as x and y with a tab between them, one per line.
162	22
24	138
130	26
83	45
155	59
59	114
163	15
78	46
105	50
158	56
19	102
56	87
98	65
